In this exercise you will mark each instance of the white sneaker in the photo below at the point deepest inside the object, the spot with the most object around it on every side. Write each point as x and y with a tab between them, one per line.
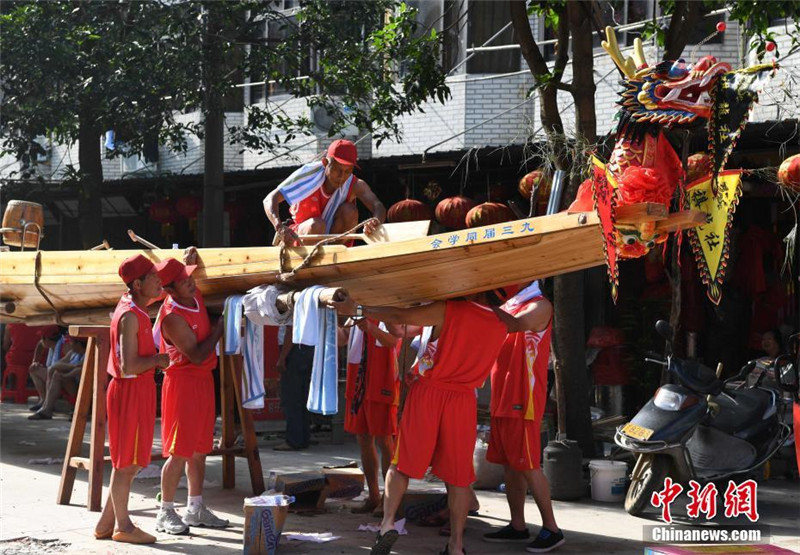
170	522
204	517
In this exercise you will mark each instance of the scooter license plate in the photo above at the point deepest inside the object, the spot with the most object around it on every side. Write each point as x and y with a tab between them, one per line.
637	432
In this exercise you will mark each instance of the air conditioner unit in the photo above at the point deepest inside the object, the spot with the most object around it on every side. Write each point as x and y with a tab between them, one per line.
133	163
44	143
323	121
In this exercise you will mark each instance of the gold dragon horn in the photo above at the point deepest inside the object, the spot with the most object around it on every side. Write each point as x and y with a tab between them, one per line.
638	53
624	63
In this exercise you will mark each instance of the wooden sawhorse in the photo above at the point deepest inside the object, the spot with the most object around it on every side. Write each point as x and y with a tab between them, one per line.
92	391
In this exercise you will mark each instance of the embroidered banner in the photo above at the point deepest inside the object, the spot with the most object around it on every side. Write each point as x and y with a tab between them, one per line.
711	241
605	203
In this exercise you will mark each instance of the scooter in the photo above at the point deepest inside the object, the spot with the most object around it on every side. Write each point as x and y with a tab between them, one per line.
701	428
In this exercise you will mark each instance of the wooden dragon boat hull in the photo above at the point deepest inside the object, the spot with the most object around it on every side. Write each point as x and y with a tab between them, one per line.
83	286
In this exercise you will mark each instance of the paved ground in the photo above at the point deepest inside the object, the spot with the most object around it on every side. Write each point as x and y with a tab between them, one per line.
28	509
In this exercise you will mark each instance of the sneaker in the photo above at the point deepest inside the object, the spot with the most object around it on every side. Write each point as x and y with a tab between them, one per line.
508	534
35	407
170	522
204	517
545	541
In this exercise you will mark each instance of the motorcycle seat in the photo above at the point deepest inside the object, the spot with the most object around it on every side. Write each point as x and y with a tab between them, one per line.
740	409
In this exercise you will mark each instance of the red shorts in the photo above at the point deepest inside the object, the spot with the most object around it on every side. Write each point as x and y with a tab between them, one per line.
515	442
373	418
187	413
131	409
438	429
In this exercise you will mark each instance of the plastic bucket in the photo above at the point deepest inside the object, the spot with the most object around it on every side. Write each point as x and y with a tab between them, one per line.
608	480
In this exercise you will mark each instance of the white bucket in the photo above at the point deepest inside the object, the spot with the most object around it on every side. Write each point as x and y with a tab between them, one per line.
608	480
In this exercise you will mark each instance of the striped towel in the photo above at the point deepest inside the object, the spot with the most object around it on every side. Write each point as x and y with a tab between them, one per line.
323	392
251	349
253	392
306	180
232	313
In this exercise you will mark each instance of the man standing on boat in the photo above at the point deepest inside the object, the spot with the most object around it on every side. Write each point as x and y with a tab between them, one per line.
519	393
438	427
131	396
372	395
187	397
322	197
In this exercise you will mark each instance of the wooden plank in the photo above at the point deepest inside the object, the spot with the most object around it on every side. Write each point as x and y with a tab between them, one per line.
88	280
78	427
686	219
385	233
83	463
228	436
248	431
640	212
102	341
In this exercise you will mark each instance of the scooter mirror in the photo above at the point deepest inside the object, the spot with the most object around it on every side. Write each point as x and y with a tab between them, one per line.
664	329
788	376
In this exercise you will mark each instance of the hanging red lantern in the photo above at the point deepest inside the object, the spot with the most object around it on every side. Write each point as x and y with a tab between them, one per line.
489	213
162	211
189	206
531	180
409	210
452	212
789	173
698	165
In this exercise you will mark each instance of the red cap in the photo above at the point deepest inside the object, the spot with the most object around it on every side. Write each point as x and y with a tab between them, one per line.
344	152
135	267
170	271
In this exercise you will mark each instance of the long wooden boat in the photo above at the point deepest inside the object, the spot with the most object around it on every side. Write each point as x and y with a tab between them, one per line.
83	286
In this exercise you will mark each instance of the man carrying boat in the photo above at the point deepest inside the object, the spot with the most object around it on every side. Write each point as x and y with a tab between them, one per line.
188	414
131	396
322	197
519	393
438	427
372	394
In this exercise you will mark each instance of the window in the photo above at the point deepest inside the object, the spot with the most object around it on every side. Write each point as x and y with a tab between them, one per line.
452	53
486	18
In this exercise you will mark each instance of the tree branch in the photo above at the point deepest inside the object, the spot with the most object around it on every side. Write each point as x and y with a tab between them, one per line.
685	17
562	46
530	50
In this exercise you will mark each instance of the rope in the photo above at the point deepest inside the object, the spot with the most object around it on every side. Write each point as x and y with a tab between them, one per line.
36	275
285	276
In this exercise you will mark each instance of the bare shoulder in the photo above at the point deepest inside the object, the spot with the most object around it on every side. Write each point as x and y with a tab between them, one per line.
129	322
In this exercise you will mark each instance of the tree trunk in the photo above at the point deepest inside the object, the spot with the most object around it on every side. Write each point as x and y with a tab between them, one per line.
90	206
214	131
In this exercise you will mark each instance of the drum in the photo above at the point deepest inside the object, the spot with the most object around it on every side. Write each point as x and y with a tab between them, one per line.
23	216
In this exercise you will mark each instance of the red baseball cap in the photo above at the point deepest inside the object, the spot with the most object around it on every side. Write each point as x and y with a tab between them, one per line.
171	270
344	152
135	267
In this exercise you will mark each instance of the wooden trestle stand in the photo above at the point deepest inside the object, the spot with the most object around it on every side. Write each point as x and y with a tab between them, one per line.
92	392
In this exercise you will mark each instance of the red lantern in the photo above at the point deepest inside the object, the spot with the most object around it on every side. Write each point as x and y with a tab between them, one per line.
189	206
162	212
409	210
489	213
452	212
789	173
698	165
531	180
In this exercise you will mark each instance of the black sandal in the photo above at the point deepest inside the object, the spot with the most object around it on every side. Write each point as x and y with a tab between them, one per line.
446	550
384	542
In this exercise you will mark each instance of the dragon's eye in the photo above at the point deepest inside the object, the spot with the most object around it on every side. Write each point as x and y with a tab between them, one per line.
629	239
650	244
